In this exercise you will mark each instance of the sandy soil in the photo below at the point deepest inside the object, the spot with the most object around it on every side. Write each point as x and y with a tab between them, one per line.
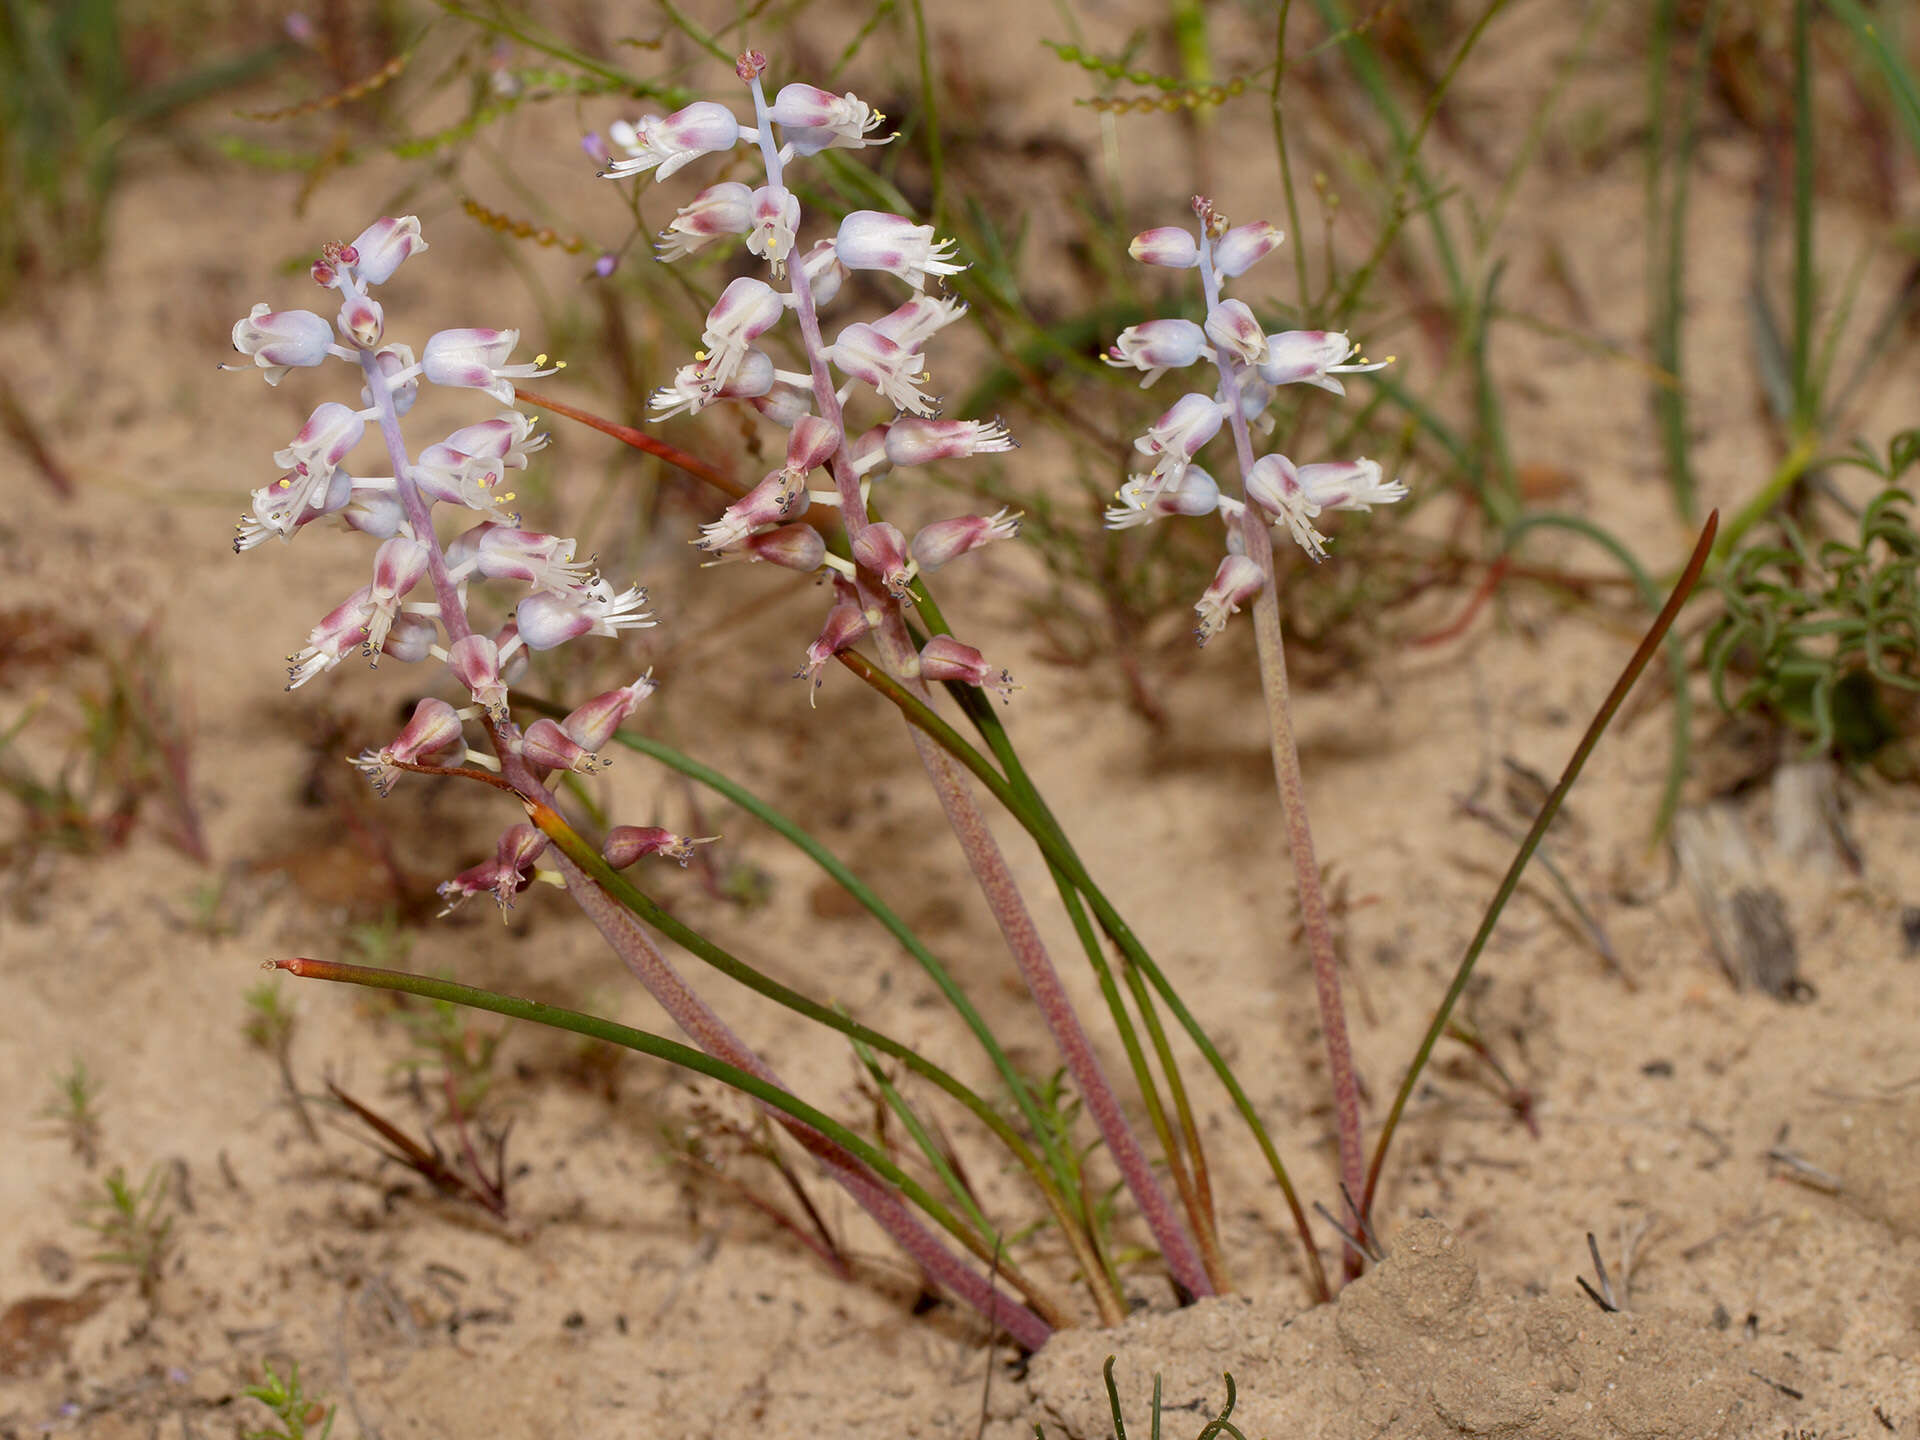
624	1296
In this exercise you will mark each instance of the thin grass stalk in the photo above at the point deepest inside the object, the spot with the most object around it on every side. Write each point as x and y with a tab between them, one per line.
1643	653
1302	283
1806	399
1054	846
922	1138
812	1127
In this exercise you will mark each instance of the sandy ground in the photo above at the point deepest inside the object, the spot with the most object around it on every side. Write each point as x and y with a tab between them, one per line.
623	1296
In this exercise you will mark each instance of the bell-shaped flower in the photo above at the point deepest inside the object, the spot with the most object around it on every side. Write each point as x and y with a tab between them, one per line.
504	876
1244	246
862	353
776	215
411	639
1232	327
912	440
1166	245
919	320
745	311
592	724
474	359
877	240
665	144
379	249
435	727
1236	582
331	431
281	340
1157	346
823	272
507	439
768	503
934	545
723	209
1176	437
1142	501
690	392
795	547
547	745
342	630
1349	485
1274	485
398	565
812	120
945	661
290	502
546	619
629	844
882	549
543	561
475	663
1312	357
847	623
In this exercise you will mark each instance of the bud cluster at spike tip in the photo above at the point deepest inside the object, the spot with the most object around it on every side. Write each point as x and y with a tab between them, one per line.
881	357
1250	367
469	471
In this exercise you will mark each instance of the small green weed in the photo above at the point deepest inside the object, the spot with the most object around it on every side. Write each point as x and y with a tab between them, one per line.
73	1111
296	1411
135	1226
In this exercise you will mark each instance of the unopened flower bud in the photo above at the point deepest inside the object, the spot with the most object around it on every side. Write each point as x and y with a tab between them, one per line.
768	503
1242	247
1237	581
823	272
882	549
547	745
934	545
1166	245
1156	347
791	547
434	727
628	844
383	245
1232	326
723	209
393	360
362	321
944	660
847	624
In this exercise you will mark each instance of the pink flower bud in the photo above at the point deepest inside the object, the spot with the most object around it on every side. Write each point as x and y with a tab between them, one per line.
944	660
383	245
1244	246
783	404
1168	245
593	724
628	844
547	745
362	321
882	549
791	547
398	565
877	240
1157	346
946	540
913	440
475	663
1232	326
823	271
666	145
411	639
280	340
1237	581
